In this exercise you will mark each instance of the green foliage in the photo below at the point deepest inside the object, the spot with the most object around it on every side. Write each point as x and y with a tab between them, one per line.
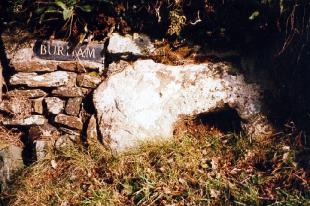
69	11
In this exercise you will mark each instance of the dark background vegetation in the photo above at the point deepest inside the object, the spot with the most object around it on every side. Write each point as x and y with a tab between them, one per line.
276	31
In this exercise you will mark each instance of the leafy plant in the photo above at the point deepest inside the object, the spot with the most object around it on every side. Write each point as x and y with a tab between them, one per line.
69	11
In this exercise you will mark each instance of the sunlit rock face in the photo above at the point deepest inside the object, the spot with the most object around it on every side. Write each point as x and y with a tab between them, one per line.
144	99
136	44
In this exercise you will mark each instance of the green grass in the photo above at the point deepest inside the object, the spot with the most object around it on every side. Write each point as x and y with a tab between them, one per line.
203	170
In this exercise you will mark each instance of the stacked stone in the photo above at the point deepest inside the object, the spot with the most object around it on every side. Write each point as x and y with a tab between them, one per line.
46	98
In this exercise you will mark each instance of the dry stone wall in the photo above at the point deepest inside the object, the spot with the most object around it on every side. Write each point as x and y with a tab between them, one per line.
47	98
51	96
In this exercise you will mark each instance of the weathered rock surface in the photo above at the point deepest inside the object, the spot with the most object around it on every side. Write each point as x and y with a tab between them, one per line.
24	61
136	44
69	121
73	106
37	105
18	107
53	79
117	67
29	121
72	79
41	148
28	93
89	81
68	92
143	101
79	66
92	135
10	162
54	105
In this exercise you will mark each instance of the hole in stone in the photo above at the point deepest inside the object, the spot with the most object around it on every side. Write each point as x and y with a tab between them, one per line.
211	123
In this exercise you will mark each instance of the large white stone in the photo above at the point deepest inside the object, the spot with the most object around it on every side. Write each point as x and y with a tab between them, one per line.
144	100
136	44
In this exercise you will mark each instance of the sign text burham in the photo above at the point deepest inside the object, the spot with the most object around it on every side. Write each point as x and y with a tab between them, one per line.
61	51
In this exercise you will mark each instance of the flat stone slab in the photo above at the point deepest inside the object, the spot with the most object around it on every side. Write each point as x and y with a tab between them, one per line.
68	92
29	121
27	93
69	121
53	79
145	100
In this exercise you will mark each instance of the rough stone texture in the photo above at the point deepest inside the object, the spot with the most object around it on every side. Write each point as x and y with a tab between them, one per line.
143	101
79	66
10	162
18	107
41	148
137	44
117	67
69	121
72	79
91	132
89	81
28	93
68	92
29	121
25	61
37	105
53	79
73	106
54	105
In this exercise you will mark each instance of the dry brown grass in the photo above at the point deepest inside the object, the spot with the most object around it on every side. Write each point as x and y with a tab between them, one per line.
10	137
200	170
